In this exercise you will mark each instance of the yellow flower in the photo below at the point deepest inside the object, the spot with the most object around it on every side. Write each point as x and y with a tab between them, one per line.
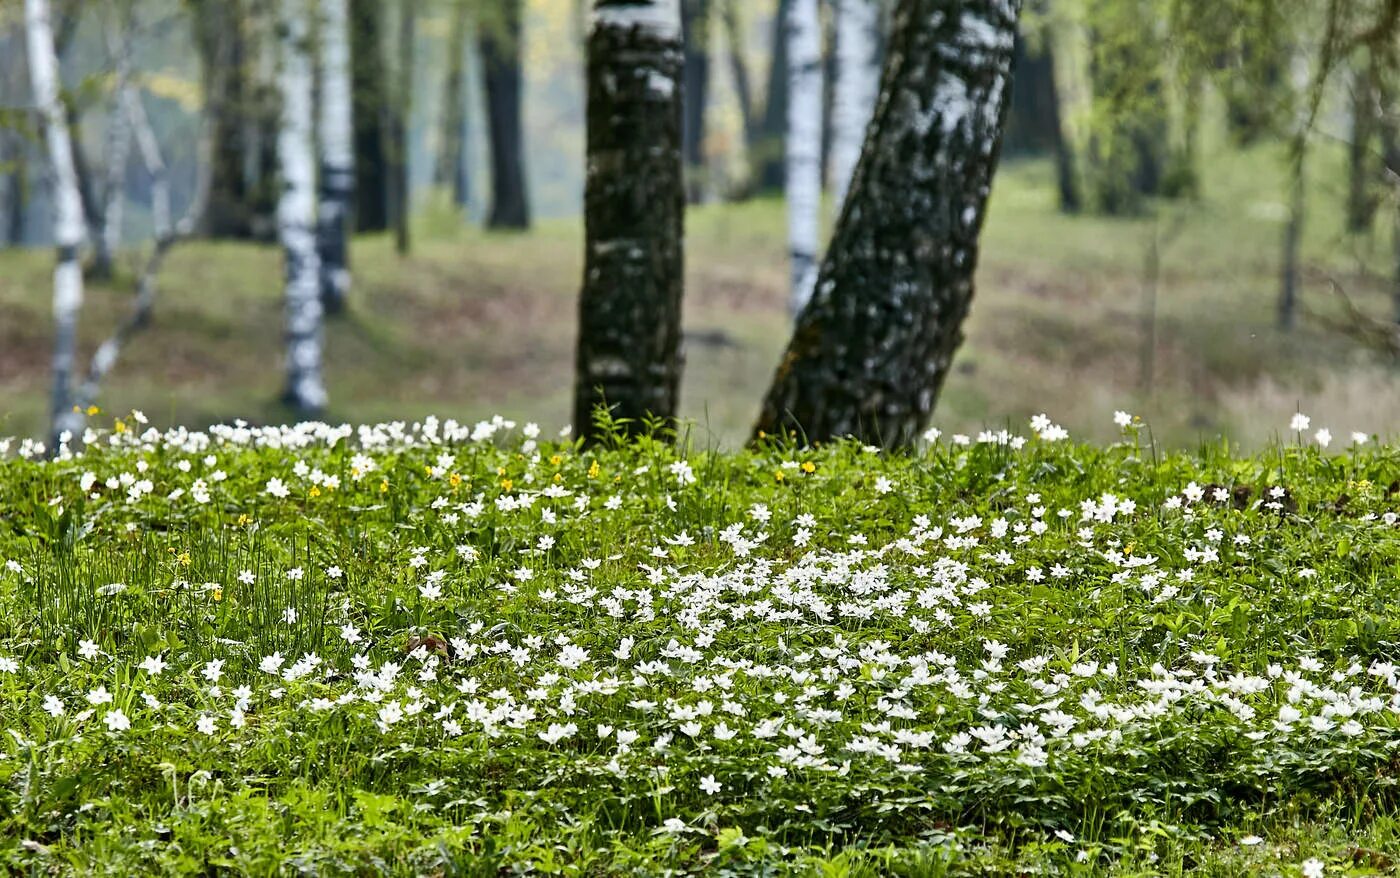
778	475
507	484
555	460
315	491
120	426
184	559
244	519
218	594
454	480
429	471
384	486
809	467
93	410
593	470
500	470
558	477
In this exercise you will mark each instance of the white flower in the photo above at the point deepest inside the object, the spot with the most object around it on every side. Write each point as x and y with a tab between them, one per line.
683	473
1359	438
1251	840
53	705
206	725
276	488
88	650
1299	423
1323	437
1122	418
709	785
153	665
1313	868
99	696
270	664
117	721
883	485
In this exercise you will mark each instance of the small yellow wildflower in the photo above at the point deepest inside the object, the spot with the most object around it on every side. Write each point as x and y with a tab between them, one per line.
507	484
593	470
315	491
454	480
809	467
777	475
555	460
218	594
384	486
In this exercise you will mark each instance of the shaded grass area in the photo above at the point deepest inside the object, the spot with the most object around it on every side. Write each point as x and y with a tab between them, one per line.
474	323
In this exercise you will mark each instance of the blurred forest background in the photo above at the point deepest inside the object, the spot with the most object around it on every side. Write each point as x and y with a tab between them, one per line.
1195	216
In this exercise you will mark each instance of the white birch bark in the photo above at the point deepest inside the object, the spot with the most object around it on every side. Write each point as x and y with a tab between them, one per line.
68	221
119	37
296	214
804	146
856	87
337	154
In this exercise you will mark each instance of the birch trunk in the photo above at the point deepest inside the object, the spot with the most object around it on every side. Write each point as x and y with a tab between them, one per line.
337	155
296	215
634	202
119	37
68	222
804	147
871	351
856	88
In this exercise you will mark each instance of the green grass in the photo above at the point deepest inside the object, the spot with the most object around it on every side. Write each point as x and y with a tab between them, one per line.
459	650
474	323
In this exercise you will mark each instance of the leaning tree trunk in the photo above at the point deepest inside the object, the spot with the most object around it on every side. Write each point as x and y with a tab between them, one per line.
503	81
873	347
370	91
695	28
634	205
804	147
296	215
68	221
856	87
337	155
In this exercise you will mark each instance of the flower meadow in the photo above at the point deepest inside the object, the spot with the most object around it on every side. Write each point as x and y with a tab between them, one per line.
441	648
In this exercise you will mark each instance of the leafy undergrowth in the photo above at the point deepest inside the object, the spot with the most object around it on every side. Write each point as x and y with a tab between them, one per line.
468	649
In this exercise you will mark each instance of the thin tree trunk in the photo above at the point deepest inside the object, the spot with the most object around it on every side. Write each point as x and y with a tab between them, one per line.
1292	236
769	155
856	87
1066	174
337	155
370	100
400	188
451	163
296	215
68	223
630	310
119	38
872	349
804	145
695	25
1361	203
739	69
501	49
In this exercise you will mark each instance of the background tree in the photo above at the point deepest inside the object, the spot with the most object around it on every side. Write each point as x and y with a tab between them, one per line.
695	27
337	155
634	202
296	215
857	84
370	85
873	347
451	170
68	223
803	146
502	38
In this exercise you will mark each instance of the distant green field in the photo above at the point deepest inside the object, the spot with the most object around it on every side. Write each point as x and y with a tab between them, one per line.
444	649
472	323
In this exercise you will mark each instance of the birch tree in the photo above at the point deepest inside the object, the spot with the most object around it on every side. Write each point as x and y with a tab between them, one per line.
804	146
337	155
296	214
68	221
855	89
872	349
120	28
634	203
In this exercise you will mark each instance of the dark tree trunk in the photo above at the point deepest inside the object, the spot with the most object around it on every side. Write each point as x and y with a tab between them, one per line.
1032	120
504	82
400	180
739	68
873	347
634	201
451	164
695	23
1129	143
371	92
242	118
1361	200
1290	279
767	157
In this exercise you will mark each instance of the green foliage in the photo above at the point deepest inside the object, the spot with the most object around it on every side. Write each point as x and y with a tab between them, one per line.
425	648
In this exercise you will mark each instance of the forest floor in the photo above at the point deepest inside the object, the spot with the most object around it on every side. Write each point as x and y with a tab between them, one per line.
473	323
